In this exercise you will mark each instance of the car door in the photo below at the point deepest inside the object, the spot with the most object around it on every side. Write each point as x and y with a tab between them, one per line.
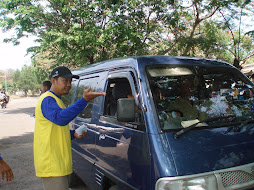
122	147
84	149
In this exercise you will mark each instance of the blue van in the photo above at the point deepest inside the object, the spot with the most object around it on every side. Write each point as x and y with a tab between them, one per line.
166	123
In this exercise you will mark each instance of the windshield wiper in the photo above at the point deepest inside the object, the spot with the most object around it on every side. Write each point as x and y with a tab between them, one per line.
238	128
185	130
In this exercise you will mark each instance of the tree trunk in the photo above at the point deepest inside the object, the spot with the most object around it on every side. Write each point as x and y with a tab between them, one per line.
237	63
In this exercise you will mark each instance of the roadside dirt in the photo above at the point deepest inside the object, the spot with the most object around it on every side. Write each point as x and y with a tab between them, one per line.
16	144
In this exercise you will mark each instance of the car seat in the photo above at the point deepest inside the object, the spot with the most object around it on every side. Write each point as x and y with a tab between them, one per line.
120	90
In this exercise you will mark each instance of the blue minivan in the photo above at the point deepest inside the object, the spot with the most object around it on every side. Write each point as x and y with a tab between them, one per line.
166	123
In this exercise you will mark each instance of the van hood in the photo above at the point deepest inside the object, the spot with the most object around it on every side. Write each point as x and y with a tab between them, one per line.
204	150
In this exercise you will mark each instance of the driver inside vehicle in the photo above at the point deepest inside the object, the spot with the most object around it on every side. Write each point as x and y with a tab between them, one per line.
184	105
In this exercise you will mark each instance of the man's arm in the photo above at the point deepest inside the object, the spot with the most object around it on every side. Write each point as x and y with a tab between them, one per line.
59	116
5	171
62	117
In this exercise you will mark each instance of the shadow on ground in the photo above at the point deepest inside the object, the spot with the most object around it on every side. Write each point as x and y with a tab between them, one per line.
29	111
17	151
23	139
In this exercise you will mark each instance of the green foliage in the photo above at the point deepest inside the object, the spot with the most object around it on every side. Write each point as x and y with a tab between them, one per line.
42	67
25	80
15	79
10	88
76	33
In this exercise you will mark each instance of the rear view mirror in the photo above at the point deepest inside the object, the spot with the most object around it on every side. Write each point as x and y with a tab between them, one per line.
126	109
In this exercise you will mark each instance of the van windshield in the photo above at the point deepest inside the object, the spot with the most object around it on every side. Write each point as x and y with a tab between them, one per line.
184	95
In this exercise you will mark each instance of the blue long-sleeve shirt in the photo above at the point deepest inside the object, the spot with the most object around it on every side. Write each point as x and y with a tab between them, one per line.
0	157
59	116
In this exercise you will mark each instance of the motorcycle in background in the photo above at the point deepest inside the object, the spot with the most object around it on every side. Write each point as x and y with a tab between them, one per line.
3	100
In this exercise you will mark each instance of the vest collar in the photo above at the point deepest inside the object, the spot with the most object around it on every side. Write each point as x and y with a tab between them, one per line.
55	94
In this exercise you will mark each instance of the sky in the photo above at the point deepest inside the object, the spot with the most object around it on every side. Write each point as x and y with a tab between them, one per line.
14	57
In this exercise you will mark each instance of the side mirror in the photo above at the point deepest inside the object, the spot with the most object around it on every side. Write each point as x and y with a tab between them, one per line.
126	109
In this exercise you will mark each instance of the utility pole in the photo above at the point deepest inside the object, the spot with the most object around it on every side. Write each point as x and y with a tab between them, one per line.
5	83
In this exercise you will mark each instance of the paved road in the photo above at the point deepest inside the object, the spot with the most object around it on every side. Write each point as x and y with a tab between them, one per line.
16	143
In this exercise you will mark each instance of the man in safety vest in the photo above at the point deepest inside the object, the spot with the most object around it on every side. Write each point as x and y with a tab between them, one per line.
52	136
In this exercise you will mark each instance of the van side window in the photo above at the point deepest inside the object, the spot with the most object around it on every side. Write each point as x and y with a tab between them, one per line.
120	88
117	88
84	84
67	99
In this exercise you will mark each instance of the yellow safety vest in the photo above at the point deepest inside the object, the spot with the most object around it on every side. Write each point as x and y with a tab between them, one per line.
52	144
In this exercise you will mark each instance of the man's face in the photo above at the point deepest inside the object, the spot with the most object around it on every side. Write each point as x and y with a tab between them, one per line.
62	85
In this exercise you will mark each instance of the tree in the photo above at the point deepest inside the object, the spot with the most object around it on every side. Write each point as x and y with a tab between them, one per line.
9	87
191	21
81	32
76	33
26	80
42	66
239	41
16	76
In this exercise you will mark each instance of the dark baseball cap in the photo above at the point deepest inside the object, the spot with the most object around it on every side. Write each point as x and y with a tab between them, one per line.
62	72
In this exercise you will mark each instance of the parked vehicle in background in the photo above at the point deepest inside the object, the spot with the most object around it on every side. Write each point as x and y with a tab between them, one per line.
188	125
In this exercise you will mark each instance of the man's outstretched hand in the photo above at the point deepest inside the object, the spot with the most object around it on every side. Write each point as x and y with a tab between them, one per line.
88	95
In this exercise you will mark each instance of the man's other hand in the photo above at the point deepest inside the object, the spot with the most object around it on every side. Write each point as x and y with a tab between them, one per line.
5	172
80	136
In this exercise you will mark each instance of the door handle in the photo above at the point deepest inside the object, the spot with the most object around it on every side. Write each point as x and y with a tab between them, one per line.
102	134
102	131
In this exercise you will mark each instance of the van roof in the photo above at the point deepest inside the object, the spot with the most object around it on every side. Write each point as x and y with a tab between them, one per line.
142	61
